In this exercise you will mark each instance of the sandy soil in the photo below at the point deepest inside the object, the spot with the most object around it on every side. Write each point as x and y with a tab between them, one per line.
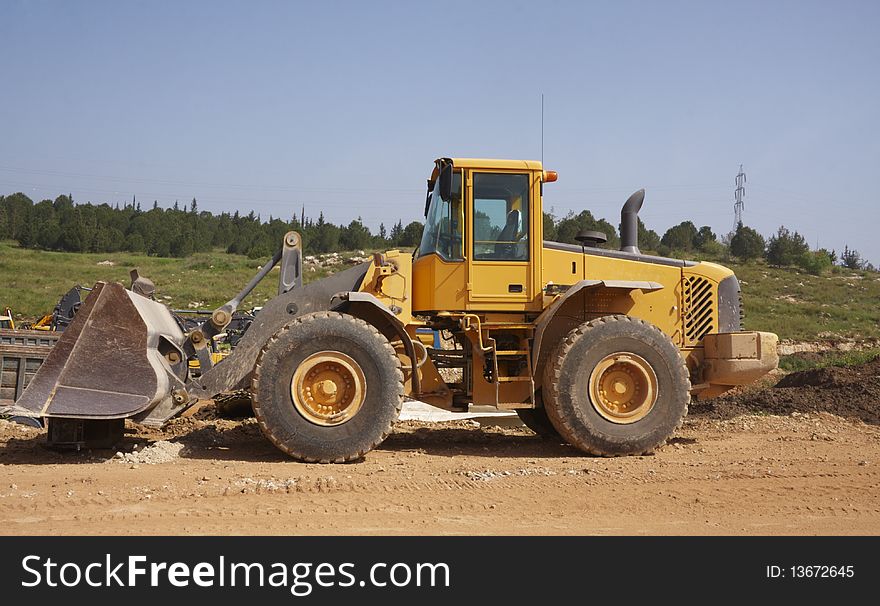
802	459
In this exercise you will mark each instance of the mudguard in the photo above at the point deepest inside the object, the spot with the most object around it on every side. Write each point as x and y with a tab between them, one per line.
546	318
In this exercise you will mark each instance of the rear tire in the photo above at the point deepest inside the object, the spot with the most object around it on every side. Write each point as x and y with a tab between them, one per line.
327	388
616	386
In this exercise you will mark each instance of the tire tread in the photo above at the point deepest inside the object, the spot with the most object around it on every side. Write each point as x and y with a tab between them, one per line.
563	422
258	377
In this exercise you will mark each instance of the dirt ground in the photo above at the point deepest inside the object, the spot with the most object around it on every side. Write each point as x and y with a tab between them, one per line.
799	458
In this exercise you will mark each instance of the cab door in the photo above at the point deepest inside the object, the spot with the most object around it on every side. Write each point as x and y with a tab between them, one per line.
500	239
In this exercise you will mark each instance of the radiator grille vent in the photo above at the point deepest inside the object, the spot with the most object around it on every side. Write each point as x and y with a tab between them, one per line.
698	304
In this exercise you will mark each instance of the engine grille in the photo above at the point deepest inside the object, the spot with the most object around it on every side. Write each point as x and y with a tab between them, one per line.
698	304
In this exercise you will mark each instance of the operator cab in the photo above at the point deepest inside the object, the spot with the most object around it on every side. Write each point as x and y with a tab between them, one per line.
481	245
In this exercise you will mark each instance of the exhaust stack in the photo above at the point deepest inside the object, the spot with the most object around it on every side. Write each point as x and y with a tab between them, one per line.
629	223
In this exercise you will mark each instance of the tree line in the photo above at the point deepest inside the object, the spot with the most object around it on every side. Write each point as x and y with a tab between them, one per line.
789	248
784	248
179	231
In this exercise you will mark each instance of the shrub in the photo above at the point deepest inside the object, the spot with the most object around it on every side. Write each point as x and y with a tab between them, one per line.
715	250
680	237
746	243
786	248
851	258
815	262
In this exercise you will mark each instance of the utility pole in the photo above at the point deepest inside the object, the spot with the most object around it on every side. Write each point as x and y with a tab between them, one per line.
738	195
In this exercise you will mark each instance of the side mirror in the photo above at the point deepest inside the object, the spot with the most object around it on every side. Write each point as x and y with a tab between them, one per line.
446	183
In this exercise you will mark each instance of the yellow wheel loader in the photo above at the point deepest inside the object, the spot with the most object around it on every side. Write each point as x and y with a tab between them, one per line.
600	348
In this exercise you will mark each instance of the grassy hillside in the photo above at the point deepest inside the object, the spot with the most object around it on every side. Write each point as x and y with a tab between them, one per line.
793	304
32	281
797	305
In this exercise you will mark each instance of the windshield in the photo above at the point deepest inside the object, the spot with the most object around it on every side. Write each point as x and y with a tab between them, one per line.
443	228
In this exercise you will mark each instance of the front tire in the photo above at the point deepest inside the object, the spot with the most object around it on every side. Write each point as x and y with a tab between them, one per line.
616	386
327	388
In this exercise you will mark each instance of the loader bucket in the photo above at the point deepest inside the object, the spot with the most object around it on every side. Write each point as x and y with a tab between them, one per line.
112	362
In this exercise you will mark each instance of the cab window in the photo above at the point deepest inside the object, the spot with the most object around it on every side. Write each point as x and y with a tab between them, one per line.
501	217
443	226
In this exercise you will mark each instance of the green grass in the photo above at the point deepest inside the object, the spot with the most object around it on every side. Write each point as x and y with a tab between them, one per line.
787	301
32	281
836	359
800	306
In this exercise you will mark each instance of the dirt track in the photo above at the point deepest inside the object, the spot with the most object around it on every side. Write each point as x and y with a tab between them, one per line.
773	461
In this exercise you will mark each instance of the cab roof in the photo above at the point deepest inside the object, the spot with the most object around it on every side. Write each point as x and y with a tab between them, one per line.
496	163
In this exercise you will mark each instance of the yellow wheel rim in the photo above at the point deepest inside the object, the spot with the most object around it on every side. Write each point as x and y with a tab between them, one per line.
328	388
623	387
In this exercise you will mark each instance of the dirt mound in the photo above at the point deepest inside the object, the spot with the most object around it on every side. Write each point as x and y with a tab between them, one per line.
831	377
162	451
846	392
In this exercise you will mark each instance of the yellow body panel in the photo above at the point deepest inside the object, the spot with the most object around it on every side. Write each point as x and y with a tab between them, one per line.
438	284
661	308
390	279
712	271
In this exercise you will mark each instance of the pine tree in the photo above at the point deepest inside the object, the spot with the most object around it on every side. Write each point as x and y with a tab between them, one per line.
412	234
851	258
682	237
396	233
746	243
786	248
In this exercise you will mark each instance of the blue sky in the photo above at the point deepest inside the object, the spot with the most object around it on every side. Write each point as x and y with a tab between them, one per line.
342	106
